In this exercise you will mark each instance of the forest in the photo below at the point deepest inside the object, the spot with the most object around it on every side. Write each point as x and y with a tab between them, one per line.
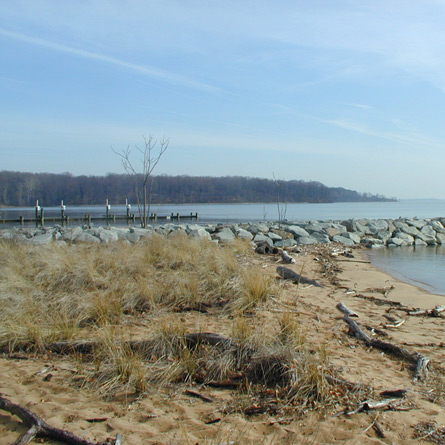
23	189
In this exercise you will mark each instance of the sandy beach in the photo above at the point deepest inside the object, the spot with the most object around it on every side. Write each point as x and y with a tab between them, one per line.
46	383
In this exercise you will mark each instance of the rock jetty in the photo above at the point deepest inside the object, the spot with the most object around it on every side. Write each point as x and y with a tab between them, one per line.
368	232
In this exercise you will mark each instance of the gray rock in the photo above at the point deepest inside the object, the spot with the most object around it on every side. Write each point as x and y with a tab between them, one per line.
392	242
306	240
257	228
71	234
440	237
132	237
332	231
297	231
377	225
355	237
411	230
428	230
224	235
274	236
430	240
260	238
343	240
417	223
44	238
419	242
200	233
384	235
286	243
86	237
243	234
404	236
321	237
108	236
399	224
437	226
371	242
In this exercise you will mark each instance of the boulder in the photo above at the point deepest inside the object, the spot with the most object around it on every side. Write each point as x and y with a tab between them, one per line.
343	240
260	238
440	237
377	225
404	236
200	233
411	230
297	231
384	235
44	238
108	236
419	242
372	242
243	234
224	235
415	222
437	226
353	236
321	237
286	243
86	237
306	240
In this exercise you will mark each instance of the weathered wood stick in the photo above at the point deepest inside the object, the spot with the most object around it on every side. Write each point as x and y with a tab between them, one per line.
289	274
39	428
381	301
420	361
287	258
436	312
343	308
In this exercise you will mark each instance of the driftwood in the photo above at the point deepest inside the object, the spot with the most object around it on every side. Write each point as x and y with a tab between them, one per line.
370	405
419	360
287	258
289	274
39	428
198	395
382	301
436	312
343	308
141	346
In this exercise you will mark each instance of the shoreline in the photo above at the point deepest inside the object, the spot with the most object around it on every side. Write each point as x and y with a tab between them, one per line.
153	417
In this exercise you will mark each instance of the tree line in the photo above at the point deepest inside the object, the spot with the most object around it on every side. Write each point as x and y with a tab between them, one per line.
23	189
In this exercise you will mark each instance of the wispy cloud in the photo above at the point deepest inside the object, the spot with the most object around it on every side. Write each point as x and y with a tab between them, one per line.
145	70
415	140
362	106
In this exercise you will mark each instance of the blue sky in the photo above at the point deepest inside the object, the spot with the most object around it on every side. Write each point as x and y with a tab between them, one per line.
348	93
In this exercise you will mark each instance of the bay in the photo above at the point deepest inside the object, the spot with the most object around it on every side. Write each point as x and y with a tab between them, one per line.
423	266
260	212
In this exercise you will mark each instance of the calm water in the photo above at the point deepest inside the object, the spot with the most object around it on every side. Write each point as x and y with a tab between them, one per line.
261	212
424	267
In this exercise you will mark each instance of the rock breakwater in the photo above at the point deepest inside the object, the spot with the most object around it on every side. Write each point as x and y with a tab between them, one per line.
369	232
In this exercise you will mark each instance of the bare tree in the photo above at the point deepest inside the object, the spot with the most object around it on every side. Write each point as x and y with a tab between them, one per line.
281	207
143	179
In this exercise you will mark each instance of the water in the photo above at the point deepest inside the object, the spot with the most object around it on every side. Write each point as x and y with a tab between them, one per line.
261	212
423	267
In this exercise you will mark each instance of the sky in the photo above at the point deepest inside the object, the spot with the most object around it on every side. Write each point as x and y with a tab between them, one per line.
348	93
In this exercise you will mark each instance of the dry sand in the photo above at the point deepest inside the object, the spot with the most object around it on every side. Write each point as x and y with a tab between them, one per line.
169	416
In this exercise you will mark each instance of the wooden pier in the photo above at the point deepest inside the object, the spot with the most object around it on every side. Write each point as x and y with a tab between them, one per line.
40	218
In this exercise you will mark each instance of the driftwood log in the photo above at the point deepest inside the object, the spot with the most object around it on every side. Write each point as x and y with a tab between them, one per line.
289	274
39	428
419	360
436	312
343	308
